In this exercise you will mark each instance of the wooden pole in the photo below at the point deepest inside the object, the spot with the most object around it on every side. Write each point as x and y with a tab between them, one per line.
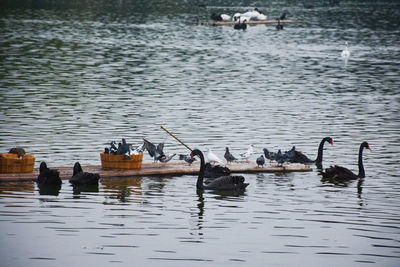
176	138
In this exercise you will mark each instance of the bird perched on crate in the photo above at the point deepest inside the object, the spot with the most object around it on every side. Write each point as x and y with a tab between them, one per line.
124	149
228	156
17	150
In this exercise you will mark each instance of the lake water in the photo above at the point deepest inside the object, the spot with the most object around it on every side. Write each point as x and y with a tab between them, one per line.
73	78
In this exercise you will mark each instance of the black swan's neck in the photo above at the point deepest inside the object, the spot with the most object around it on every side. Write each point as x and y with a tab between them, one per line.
320	151
361	172
200	179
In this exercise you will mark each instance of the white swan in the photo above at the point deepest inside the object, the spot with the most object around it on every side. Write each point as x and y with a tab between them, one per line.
346	52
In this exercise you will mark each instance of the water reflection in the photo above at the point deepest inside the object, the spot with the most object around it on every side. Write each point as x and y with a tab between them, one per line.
123	189
78	189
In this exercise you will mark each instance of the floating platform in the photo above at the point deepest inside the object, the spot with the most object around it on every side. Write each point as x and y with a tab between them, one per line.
231	23
158	169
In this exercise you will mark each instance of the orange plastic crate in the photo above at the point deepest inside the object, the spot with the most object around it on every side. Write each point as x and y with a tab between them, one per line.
109	161
10	163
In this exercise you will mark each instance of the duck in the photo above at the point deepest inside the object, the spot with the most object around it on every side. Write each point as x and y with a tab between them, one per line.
228	156
223	183
48	177
83	178
299	157
338	173
346	52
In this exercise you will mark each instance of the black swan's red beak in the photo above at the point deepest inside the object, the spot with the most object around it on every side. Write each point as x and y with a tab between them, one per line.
331	143
369	147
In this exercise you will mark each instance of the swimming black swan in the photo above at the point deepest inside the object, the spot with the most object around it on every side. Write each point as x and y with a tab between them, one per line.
228	156
215	171
228	183
279	26
301	158
240	25
83	178
48	177
339	173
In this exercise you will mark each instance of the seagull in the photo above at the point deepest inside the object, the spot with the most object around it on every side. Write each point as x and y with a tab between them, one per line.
260	161
212	157
248	153
346	52
228	156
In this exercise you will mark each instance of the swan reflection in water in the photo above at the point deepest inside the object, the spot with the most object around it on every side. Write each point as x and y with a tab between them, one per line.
199	214
78	189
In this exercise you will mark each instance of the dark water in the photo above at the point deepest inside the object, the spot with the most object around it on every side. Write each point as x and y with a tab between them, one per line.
75	76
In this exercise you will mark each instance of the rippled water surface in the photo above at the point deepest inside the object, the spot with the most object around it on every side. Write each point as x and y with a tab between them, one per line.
73	78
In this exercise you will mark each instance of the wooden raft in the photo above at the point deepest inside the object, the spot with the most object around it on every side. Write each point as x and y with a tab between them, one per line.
158	169
231	23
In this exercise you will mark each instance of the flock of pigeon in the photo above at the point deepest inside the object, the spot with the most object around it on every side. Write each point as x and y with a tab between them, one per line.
214	169
241	19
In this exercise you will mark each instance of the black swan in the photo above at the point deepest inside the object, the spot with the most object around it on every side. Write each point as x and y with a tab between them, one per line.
228	183
240	25
279	26
48	177
215	171
339	173
260	161
228	156
83	178
301	158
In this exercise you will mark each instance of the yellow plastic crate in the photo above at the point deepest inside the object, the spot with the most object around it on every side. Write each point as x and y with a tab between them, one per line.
110	161
10	163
